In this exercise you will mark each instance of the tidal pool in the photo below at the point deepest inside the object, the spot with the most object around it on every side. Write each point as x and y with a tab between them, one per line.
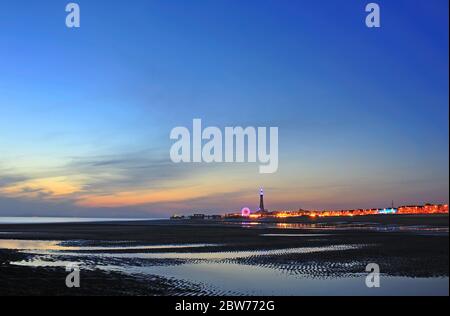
224	272
222	278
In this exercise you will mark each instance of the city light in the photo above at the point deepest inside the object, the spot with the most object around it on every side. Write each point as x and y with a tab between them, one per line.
402	210
245	212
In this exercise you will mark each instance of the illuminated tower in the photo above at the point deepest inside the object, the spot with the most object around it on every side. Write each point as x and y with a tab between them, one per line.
261	201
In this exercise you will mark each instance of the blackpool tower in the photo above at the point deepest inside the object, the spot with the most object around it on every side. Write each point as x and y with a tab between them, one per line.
261	200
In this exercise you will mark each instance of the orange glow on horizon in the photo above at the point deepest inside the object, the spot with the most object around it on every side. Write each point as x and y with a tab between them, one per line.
50	187
143	197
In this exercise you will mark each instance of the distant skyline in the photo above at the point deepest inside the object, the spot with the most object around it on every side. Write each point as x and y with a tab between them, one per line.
85	114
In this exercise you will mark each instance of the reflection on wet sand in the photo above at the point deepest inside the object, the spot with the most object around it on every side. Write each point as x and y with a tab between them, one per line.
343	226
294	235
31	245
216	255
262	259
59	246
223	273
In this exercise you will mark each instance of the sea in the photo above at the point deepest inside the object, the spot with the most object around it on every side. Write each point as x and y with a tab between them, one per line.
51	220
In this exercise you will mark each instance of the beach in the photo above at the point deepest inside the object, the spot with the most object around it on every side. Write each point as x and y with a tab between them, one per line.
296	256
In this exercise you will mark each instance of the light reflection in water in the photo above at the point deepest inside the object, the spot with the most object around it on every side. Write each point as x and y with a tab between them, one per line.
30	245
225	278
219	255
362	226
232	278
295	235
217	273
59	246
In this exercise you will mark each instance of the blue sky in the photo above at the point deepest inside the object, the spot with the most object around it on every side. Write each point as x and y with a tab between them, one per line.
86	113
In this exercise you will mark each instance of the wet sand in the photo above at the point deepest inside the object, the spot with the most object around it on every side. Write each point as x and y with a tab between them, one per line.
403	246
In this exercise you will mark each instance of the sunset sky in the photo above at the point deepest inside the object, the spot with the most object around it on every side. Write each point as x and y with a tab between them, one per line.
85	114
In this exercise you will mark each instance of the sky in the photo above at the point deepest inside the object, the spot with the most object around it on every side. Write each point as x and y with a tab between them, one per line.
85	114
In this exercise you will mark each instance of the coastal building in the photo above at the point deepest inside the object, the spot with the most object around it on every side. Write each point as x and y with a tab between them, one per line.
424	209
197	216
214	217
261	201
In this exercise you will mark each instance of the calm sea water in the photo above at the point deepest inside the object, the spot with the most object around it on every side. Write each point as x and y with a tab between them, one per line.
49	220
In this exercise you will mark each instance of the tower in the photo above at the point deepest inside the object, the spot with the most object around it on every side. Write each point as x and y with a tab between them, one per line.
261	201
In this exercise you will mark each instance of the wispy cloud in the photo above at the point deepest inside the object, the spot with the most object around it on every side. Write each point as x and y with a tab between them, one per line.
114	180
124	172
10	180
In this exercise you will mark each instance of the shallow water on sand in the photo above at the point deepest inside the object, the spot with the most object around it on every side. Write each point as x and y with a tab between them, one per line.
222	272
232	279
173	254
344	226
227	278
61	246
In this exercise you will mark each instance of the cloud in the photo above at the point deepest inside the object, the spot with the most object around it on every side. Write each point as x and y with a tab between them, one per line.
10	180
61	208
126	172
110	181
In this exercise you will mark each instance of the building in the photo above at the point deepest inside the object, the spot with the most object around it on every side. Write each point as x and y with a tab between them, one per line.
197	216
213	217
261	201
424	209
